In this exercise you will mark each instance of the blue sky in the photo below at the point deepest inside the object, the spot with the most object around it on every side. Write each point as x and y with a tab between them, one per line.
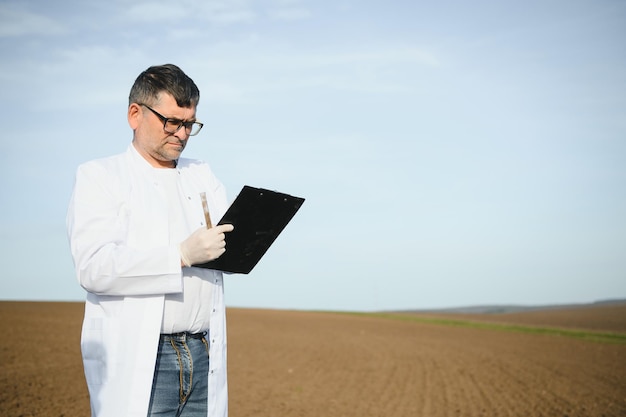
451	153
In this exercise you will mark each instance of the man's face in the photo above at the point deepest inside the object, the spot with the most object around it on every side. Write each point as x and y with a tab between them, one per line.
157	146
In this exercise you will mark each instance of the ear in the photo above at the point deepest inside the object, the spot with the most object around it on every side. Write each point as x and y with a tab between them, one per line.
134	115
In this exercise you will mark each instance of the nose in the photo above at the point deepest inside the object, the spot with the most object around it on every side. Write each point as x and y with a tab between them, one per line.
181	134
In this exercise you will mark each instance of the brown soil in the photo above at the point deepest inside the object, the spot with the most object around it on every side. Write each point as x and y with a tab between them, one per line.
286	363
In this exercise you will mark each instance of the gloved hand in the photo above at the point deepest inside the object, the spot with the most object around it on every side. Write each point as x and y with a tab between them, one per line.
204	245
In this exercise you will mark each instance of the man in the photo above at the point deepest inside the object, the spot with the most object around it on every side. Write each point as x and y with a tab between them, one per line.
136	226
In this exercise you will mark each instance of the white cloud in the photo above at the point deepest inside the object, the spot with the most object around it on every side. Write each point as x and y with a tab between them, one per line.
276	60
223	92
290	14
287	10
380	70
155	12
230	16
15	21
74	78
224	12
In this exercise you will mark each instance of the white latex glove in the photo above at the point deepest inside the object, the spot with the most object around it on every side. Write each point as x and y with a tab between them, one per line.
204	245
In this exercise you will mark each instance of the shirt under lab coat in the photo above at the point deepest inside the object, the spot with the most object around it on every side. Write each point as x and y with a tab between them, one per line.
118	229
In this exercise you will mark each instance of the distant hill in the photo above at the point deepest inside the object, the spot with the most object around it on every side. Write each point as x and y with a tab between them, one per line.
510	308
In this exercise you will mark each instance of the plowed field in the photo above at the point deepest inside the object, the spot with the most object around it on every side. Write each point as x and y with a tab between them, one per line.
288	364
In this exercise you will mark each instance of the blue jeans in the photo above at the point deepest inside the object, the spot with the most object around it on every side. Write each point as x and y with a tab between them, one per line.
180	383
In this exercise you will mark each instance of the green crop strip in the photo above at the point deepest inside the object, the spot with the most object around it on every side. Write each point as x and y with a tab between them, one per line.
601	337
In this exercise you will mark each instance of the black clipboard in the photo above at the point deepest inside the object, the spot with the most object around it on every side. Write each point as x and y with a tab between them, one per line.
259	216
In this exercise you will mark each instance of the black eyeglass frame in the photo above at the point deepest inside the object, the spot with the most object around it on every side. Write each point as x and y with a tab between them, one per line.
189	126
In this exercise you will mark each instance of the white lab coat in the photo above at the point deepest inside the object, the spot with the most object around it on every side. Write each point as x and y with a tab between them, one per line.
118	229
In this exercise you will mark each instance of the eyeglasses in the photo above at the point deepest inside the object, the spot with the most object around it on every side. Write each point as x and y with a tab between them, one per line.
172	126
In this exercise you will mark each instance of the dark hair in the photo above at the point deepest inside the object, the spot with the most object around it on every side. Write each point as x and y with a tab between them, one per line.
166	78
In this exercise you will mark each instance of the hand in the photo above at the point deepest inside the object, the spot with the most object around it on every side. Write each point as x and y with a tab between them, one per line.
204	245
